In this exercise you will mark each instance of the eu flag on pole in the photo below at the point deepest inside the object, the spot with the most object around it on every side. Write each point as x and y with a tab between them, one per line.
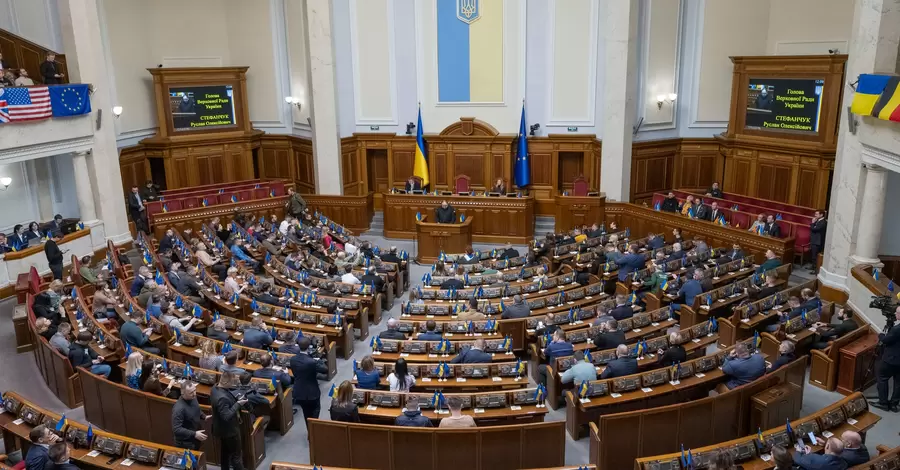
523	166
70	100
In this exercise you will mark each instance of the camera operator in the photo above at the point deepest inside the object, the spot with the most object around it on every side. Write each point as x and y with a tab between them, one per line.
889	368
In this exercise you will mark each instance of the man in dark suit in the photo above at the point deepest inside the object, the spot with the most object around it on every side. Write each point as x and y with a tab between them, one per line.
167	242
38	456
306	386
620	366
454	282
817	229
509	252
808	299
741	367
267	372
54	257
735	254
59	455
226	416
703	211
630	263
187	419
138	210
689	290
771	228
889	368
828	333
609	336
675	353
445	214
49	71
855	452
412	184
473	355
431	333
622	310
56	226
654	242
217	331
370	277
676	254
715	213
137	284
831	459
714	191
391	256
256	336
786	355
670	203
518	309
132	334
767	290
392	332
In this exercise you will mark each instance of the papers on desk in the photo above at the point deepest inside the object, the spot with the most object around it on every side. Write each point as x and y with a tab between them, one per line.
497	379
426	379
515	408
127	462
696	340
646	389
851	421
615	395
93	453
460	379
699	375
827	434
18	421
584	400
745	320
765	457
371	407
478	410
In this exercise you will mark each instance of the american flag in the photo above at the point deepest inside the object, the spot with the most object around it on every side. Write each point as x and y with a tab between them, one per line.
4	110
25	104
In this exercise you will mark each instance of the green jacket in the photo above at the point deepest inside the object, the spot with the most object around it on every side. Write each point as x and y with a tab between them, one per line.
655	281
296	204
768	265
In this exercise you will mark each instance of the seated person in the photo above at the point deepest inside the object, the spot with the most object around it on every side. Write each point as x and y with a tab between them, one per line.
209	358
673	354
620	366
629	263
473	355
518	309
831	459
217	331
768	289
348	277
580	371
700	247
827	333
735	254
230	364
371	278
785	356
809	301
714	191
676	254
412	184
81	355
794	312
392	331
256	335
622	310
772	228
85	271
583	274
456	418
171	319
267	371
558	347
670	203
758	225
237	251
154	385
654	242
688	206
456	281
263	294
411	415
430	333
689	290
855	452
5	247
342	406
445	214
59	452
469	257
131	333
508	252
741	367
609	336
499	186
770	263
367	377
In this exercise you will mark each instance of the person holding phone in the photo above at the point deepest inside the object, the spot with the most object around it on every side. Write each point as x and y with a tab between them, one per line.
831	459
226	421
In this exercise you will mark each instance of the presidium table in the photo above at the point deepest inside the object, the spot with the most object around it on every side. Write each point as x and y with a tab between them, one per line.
492	219
434	238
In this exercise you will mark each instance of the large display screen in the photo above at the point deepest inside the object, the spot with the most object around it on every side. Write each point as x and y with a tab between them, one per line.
782	104
199	108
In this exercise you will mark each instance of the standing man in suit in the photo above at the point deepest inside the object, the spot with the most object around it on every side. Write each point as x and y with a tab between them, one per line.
306	386
629	263
714	191
473	355
54	257
817	229
49	72
187	419
226	425
620	366
38	456
771	228
412	184
889	368
670	203
445	214
138	210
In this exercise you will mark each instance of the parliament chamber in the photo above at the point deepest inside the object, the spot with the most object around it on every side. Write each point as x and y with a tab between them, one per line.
387	234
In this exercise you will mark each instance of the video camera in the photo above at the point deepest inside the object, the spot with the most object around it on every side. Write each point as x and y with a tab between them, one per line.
886	304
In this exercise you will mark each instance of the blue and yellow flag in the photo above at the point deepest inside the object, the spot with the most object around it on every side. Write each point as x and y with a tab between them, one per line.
757	341
420	160
540	393
759	436
332	392
583	389
61	424
877	96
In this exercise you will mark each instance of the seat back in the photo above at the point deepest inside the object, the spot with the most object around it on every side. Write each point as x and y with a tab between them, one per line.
580	186
461	183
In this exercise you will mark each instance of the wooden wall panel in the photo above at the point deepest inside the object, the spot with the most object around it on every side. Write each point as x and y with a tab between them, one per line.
19	52
471	165
773	182
807	184
652	168
697	164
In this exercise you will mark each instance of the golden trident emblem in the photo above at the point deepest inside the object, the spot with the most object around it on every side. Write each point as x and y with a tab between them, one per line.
467	10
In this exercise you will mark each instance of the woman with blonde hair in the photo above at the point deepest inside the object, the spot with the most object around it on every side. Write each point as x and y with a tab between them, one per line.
342	406
209	358
55	291
133	367
44	328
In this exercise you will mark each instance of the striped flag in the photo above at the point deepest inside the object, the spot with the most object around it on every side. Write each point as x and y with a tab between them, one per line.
26	104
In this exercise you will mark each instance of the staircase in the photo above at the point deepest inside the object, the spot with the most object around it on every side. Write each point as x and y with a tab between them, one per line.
376	227
544	224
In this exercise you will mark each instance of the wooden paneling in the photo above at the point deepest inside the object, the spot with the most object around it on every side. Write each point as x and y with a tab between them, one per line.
471	165
773	181
652	167
21	53
807	185
353	212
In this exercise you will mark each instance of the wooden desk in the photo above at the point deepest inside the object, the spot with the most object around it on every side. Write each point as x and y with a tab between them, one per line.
435	238
497	219
575	211
853	364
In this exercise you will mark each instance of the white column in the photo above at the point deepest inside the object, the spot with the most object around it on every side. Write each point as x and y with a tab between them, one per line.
80	24
873	49
323	97
83	187
40	173
871	214
620	94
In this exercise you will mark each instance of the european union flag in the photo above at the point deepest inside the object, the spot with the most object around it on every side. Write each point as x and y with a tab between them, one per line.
69	100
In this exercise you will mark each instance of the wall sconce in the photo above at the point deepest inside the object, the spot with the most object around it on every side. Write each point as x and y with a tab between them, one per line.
409	128
293	100
670	98
117	111
534	127
5	181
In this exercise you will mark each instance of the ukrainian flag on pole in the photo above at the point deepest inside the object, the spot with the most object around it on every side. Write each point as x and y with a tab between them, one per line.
420	161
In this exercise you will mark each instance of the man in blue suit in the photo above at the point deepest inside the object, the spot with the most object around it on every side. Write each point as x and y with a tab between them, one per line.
654	242
267	372
621	366
306	386
630	263
622	309
473	355
138	283
689	290
38	457
830	460
256	336
741	367
430	333
676	254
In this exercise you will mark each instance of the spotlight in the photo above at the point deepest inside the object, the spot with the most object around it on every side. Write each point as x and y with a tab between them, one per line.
409	128
534	127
